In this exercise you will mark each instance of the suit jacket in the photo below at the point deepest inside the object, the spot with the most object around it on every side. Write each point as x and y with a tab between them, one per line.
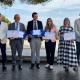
77	29
13	27
3	28
30	28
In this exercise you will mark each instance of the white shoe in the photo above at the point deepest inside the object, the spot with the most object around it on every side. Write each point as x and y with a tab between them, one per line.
51	67
47	65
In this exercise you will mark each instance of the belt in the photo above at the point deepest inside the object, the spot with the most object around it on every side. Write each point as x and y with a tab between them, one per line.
36	36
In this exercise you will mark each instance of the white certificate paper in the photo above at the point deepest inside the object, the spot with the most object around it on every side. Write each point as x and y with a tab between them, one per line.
69	36
15	34
36	32
20	34
50	35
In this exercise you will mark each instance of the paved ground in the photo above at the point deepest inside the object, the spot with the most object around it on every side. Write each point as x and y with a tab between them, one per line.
42	74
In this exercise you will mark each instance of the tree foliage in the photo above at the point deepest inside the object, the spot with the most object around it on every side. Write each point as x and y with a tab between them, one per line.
7	2
35	1
10	2
4	19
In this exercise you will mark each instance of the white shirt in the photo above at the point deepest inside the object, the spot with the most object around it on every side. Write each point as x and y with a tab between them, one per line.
3	32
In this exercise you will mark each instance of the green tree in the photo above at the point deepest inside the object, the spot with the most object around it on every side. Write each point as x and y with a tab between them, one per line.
7	2
34	1
10	2
6	20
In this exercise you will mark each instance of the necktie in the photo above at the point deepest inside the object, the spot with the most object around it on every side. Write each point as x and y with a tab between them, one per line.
16	26
35	25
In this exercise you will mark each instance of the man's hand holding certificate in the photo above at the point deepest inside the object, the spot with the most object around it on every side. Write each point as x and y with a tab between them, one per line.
69	36
20	34
15	34
49	35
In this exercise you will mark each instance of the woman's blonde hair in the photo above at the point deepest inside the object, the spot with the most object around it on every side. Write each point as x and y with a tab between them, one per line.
49	27
66	19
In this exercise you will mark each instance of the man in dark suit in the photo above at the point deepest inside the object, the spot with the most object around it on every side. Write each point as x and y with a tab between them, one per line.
35	41
16	43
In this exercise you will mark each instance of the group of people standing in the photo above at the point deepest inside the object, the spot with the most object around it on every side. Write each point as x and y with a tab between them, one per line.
68	52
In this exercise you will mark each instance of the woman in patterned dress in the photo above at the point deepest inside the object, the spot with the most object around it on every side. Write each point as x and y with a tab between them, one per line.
66	51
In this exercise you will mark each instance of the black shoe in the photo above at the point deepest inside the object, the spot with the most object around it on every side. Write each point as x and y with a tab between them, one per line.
32	66
66	69
20	67
37	66
13	68
75	69
4	68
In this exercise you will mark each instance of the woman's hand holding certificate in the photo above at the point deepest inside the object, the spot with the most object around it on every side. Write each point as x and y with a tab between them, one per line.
50	35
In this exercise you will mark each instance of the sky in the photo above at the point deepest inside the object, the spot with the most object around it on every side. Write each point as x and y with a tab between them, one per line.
55	9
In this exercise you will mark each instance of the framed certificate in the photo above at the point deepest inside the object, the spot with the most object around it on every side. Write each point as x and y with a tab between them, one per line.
69	36
36	32
49	35
15	34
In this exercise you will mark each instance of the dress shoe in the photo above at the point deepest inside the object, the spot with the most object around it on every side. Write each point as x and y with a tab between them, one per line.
75	69
37	66
13	68
66	69
20	67
4	68
32	66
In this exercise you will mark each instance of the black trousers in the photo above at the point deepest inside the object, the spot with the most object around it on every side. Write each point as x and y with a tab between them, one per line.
78	50
50	51
3	53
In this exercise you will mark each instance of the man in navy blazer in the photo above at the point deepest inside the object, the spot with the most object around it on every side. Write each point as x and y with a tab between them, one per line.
30	28
35	41
16	44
